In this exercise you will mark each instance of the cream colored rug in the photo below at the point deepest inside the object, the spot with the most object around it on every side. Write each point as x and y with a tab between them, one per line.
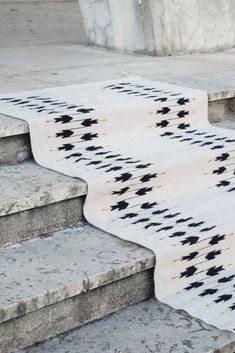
158	174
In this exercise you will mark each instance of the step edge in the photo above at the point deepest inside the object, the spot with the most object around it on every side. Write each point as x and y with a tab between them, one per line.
21	126
89	283
42	198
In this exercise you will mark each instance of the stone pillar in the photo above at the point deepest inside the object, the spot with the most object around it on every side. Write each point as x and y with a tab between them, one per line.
160	27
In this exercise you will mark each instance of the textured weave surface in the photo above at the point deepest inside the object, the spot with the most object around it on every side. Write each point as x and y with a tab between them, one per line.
158	175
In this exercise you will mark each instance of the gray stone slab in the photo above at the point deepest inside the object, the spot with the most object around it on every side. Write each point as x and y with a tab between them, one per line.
39	221
44	271
147	327
70	63
219	85
28	186
15	149
10	126
65	315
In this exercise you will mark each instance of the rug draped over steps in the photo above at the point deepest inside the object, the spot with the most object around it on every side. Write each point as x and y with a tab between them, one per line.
158	175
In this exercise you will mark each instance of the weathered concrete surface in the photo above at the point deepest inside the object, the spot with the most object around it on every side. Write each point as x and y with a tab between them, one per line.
39	221
50	269
28	186
64	64
14	149
160	27
44	281
11	127
33	22
75	311
147	327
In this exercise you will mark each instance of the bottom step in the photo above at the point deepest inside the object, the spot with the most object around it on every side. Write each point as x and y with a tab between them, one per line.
148	327
56	283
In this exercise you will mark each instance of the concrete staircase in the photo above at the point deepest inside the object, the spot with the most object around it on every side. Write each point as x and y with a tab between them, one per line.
58	273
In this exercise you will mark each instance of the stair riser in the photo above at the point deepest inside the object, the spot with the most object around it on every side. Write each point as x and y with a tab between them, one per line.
15	149
221	110
73	312
28	224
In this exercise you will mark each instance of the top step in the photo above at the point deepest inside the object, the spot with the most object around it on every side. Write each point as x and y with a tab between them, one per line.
14	133
146	327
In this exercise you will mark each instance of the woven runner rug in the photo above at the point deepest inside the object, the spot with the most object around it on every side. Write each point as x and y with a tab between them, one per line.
158	174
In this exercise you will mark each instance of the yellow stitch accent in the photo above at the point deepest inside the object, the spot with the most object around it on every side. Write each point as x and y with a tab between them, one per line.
151	113
162	238
174	277
174	244
207	305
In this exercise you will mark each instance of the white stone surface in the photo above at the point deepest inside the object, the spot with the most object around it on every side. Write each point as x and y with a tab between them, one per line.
28	185
148	327
160	27
46	270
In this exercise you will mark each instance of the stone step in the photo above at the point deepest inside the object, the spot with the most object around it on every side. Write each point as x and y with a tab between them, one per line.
14	133
147	327
14	140
53	284
41	200
36	200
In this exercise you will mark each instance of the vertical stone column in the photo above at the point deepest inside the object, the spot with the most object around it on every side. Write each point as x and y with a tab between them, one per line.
160	27
118	24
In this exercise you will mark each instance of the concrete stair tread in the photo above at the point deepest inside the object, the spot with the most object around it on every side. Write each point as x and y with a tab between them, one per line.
46	270
147	327
27	185
10	126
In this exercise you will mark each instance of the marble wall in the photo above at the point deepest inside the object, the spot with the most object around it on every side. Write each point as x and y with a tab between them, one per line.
160	27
